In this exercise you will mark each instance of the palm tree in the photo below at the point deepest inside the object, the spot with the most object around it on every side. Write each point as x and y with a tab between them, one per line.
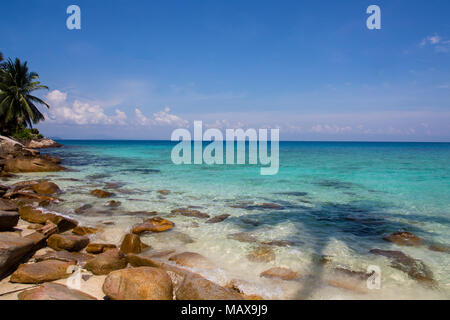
1	57
17	104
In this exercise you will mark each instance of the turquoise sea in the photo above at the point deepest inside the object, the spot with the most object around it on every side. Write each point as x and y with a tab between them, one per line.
337	200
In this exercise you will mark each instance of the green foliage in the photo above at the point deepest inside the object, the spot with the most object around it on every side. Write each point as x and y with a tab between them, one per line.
27	134
17	104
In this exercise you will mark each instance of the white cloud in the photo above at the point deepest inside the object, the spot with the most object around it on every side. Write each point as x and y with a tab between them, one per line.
62	111
439	43
326	128
164	117
141	119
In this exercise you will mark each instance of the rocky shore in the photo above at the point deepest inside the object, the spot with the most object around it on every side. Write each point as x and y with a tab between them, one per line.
48	255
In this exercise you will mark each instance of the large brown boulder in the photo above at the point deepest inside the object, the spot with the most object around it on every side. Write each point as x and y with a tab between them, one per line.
67	242
107	262
101	193
195	287
143	283
8	220
13	250
82	231
53	291
156	224
218	218
31	164
46	188
404	239
192	260
38	215
96	248
132	244
44	271
77	257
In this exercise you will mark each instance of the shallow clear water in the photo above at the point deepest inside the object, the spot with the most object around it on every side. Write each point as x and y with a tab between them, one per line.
339	200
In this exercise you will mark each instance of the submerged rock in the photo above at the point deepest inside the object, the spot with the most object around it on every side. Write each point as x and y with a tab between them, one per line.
278	243
156	224
280	273
439	248
218	218
53	291
187	212
8	220
114	204
40	272
243	237
415	268
101	193
404	239
142	283
192	260
46	188
261	254
195	287
99	247
67	242
107	262
83	208
164	192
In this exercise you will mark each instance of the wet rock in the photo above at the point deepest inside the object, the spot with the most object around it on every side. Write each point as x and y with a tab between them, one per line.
8	220
67	242
278	243
44	271
53	291
218	218
101	193
107	262
7	205
268	205
143	283
37	215
359	275
156	224
187	212
164	192
415	268
97	248
348	284
280	273
83	208
239	287
31	164
195	287
82	231
243	237
114	204
13	250
48	229
439	248
404	239
132	244
77	257
250	222
46	188
261	254
192	260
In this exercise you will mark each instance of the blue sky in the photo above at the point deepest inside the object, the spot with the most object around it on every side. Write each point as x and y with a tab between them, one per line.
139	69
